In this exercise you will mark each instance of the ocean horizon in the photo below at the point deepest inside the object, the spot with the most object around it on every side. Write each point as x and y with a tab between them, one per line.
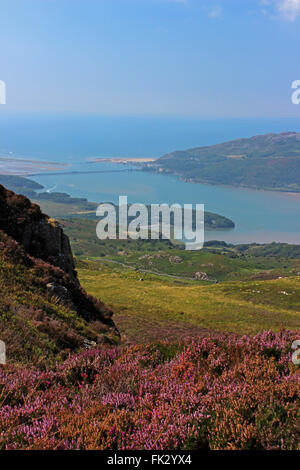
76	137
74	140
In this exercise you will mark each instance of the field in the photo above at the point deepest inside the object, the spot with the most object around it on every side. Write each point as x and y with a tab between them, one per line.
149	307
209	265
158	290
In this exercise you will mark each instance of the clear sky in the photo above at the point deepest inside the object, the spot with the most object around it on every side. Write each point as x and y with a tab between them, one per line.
151	57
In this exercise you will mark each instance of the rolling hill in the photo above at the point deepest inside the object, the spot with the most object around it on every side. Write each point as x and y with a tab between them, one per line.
270	161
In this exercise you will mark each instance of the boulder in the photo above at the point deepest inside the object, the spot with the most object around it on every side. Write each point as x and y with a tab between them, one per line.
61	292
201	276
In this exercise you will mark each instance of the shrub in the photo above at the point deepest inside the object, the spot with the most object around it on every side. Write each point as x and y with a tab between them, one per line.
217	392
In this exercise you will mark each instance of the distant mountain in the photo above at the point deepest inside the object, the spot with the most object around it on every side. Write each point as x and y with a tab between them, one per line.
270	161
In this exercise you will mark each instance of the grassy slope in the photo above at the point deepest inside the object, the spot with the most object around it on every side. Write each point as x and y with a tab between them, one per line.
60	209
36	327
163	308
160	307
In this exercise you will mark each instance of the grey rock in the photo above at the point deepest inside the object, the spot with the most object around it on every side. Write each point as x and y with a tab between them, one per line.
201	276
88	344
61	293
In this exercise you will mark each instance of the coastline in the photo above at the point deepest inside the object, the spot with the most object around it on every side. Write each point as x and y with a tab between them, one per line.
123	160
222	185
140	161
248	228
11	166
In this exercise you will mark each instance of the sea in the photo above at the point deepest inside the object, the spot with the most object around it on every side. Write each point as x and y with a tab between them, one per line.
76	140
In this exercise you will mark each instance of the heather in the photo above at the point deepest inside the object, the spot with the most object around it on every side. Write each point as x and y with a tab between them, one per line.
221	391
44	311
71	382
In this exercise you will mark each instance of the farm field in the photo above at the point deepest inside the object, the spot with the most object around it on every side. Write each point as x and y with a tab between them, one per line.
149	307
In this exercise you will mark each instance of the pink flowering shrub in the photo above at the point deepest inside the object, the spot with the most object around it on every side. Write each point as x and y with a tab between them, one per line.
218	392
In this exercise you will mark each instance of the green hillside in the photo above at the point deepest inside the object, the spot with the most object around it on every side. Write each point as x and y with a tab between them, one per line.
186	365
149	307
270	161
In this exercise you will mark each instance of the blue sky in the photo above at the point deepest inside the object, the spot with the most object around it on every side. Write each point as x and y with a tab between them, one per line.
203	58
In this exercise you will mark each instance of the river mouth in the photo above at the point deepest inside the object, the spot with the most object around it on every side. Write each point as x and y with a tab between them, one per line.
259	216
77	140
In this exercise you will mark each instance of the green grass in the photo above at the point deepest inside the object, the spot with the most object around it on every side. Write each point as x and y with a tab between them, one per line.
158	307
61	210
280	293
217	266
82	233
218	262
36	327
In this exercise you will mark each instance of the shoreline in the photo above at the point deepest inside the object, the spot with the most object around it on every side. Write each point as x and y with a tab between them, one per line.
247	188
140	161
32	167
10	166
122	160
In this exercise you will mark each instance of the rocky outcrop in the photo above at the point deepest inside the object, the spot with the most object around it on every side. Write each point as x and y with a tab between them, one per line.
61	293
40	236
46	240
175	259
30	237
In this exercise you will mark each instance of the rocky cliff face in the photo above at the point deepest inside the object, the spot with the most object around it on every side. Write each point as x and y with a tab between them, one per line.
30	238
46	240
40	236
